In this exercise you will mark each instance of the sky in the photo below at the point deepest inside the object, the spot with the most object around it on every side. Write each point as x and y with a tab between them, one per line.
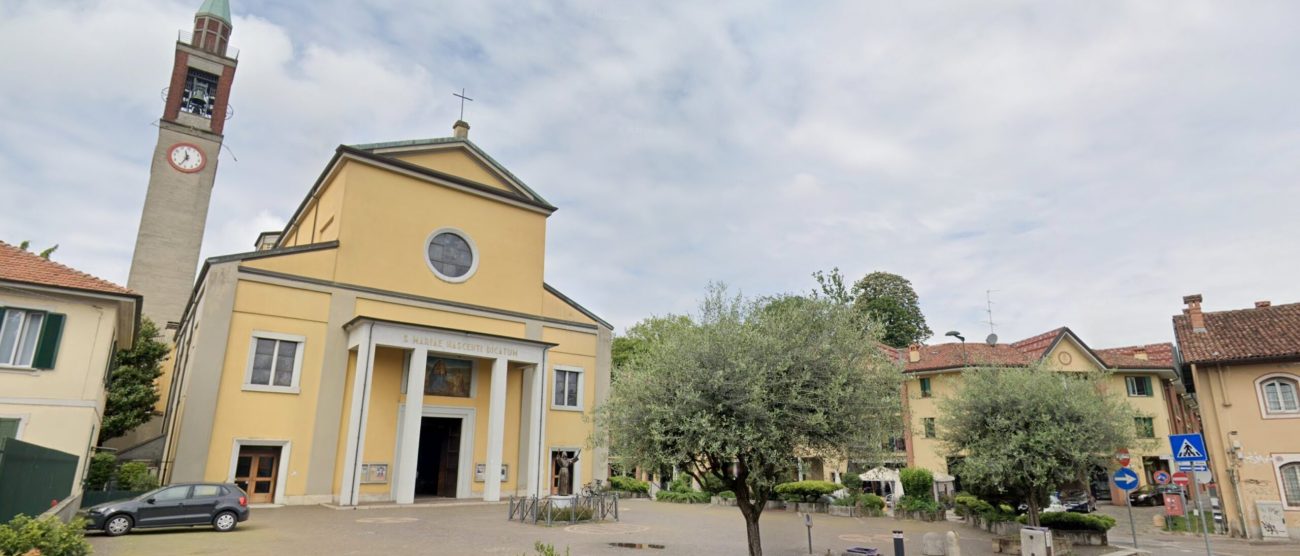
1089	162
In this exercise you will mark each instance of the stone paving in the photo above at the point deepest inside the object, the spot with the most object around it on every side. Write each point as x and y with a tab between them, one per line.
482	529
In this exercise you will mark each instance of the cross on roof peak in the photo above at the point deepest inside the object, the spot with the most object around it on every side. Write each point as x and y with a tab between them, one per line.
463	98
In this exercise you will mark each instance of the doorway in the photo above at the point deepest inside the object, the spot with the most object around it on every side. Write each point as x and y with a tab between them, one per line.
438	466
256	470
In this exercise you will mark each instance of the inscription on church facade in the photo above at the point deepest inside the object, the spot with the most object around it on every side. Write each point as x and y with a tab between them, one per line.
465	346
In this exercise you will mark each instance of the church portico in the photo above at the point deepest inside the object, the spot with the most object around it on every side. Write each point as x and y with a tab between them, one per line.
486	388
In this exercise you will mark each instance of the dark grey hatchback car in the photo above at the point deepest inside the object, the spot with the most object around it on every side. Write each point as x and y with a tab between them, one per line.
221	505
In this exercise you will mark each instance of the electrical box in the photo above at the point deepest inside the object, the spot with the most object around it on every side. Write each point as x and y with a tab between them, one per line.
1035	541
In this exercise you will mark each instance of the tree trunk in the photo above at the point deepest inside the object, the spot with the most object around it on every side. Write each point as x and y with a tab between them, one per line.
1033	507
751	513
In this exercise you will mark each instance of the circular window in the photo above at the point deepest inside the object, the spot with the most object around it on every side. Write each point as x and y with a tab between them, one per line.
1064	358
451	255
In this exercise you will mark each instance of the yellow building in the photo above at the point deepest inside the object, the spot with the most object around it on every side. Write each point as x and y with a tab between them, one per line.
59	329
1145	374
410	266
1245	371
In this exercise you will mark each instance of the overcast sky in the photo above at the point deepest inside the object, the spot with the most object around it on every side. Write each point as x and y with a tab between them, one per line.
1092	162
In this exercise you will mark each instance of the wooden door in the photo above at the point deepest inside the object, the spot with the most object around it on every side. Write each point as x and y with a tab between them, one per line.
255	472
450	462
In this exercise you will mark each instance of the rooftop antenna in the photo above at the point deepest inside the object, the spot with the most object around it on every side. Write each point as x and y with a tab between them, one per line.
993	337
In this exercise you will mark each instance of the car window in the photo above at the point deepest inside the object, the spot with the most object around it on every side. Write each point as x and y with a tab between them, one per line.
203	491
173	493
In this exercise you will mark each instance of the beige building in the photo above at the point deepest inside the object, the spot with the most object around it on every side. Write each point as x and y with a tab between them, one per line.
395	340
1144	374
59	329
1245	370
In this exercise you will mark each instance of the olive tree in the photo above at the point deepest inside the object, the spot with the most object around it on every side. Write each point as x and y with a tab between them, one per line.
736	390
1025	431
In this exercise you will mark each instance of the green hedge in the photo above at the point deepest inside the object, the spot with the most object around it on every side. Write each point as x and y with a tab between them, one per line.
968	504
917	482
48	537
628	484
864	501
805	491
909	503
1070	521
851	481
727	495
692	497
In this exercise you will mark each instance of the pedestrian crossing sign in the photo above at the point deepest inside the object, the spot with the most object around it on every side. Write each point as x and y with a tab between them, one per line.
1188	447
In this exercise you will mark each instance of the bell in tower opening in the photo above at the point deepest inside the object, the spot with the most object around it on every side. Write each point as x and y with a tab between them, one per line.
200	94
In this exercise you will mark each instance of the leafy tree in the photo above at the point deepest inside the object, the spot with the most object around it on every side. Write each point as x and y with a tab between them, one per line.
44	254
639	335
890	300
1025	431
831	286
132	388
737	390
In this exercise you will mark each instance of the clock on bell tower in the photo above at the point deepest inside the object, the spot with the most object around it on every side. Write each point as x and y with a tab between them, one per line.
184	165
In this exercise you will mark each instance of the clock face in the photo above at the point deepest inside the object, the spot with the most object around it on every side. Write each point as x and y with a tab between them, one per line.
186	158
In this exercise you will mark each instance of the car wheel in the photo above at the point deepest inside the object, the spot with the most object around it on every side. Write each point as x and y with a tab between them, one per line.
225	521
117	525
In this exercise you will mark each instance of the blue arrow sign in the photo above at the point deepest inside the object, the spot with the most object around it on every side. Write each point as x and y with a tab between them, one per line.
1126	479
1188	447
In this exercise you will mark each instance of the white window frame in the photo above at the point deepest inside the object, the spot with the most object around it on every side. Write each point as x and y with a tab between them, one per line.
582	376
473	253
1280	460
1263	401
22	422
18	340
293	387
1131	380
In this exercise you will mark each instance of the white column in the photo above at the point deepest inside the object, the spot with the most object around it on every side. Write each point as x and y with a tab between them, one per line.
538	394
496	431
356	441
408	446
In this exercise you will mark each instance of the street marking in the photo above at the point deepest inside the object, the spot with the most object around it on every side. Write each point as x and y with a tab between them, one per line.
387	519
606	528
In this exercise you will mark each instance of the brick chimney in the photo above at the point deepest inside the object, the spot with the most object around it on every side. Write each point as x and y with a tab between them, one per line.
913	353
1193	311
1262	304
460	129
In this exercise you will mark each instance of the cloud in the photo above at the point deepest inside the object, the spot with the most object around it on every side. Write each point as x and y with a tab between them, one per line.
1092	163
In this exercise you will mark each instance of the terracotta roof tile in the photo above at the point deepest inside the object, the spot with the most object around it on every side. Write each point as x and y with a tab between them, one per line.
18	265
949	356
1244	334
1159	356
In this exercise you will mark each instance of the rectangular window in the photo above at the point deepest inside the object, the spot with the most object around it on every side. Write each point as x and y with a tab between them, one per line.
928	424
1146	427
1139	385
9	428
568	388
925	388
29	339
275	363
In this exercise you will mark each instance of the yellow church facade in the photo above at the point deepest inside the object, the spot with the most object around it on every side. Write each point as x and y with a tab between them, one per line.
411	271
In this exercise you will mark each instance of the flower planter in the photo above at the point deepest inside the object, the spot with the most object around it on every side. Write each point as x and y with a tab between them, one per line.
812	507
720	501
1081	537
774	505
919	516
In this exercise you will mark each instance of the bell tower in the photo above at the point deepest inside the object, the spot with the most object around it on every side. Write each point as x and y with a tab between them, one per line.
184	165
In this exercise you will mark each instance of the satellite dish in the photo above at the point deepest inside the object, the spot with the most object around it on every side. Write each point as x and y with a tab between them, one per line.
992	340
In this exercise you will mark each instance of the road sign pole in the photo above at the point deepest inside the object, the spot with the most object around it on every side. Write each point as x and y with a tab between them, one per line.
1205	530
1132	525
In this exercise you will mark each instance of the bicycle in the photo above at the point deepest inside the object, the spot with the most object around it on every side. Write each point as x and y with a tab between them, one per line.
593	488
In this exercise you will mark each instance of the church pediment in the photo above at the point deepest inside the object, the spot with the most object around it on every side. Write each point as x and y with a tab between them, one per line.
456	157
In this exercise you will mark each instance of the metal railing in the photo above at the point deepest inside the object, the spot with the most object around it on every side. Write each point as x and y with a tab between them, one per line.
571	510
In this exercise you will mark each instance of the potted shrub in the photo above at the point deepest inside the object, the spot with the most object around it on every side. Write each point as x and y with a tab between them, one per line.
917	501
846	506
870	505
628	487
807	495
725	498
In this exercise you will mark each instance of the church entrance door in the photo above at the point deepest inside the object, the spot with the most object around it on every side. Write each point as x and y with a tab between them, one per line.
439	458
255	472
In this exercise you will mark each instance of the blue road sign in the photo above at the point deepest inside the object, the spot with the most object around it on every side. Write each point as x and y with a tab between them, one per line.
1126	479
1161	477
1188	447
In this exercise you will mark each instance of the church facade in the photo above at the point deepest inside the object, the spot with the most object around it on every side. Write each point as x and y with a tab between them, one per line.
395	340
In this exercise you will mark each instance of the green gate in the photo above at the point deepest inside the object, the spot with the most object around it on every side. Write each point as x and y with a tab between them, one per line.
32	478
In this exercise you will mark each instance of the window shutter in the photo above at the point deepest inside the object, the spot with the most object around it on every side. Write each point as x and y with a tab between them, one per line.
47	348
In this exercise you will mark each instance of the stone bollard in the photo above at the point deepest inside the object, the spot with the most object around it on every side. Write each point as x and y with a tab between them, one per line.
953	548
932	545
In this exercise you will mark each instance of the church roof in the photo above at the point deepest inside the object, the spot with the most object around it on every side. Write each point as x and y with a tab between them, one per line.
496	166
219	9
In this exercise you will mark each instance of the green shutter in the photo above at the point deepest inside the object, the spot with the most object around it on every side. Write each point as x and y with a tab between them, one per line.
47	348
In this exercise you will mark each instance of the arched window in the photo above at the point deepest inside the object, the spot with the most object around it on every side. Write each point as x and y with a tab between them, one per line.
1291	483
1279	394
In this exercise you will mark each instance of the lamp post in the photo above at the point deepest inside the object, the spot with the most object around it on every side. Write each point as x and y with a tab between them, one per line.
956	334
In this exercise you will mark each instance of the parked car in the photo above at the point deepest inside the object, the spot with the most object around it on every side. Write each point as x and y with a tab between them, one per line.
1152	495
221	505
1077	501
